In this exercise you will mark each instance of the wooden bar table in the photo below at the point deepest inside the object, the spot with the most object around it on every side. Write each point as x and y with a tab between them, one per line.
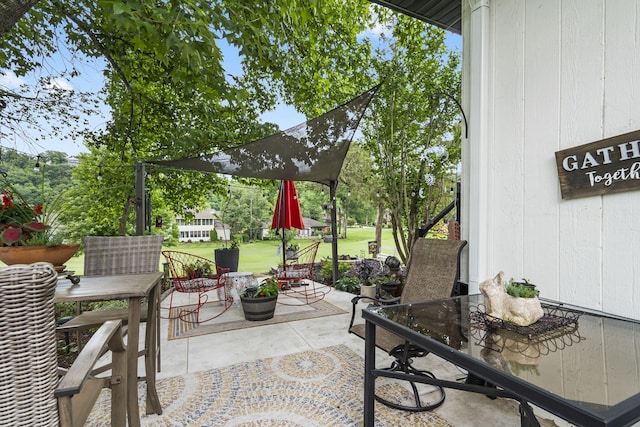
134	288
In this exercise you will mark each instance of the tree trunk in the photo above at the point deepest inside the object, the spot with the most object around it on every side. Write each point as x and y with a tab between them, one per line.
379	223
122	229
11	11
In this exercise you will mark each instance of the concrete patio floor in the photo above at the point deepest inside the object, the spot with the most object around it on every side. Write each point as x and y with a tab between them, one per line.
186	355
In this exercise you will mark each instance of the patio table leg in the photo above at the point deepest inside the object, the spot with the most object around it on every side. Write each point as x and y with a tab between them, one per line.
527	418
150	356
132	362
369	378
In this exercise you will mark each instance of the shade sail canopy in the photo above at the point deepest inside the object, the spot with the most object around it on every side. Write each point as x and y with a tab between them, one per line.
287	213
311	151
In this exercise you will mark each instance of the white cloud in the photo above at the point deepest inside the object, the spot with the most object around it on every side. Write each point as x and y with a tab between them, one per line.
58	84
10	81
378	30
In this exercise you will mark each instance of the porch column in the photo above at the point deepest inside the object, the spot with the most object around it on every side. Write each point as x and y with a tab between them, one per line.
477	156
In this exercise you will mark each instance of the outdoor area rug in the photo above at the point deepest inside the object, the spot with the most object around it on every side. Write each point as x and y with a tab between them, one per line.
233	318
313	388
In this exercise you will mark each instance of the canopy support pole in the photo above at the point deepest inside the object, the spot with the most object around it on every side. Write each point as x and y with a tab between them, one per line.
283	209
140	199
334	230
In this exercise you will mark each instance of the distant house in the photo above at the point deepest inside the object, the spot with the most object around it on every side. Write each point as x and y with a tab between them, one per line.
200	228
311	228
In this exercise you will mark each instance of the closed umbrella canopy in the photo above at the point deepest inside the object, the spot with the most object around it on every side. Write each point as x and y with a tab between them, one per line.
287	214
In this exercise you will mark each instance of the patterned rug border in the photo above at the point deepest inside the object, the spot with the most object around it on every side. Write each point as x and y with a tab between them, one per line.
180	329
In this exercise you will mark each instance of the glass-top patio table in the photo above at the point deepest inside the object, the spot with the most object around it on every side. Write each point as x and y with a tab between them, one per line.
579	364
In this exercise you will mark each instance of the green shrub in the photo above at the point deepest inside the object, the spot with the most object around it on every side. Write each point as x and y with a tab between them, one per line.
347	284
327	270
65	309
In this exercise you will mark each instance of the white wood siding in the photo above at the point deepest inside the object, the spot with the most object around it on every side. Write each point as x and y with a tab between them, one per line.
562	74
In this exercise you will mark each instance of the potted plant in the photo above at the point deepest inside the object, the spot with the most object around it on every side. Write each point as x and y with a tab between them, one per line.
388	286
259	303
515	302
291	251
523	289
228	257
29	233
199	269
365	271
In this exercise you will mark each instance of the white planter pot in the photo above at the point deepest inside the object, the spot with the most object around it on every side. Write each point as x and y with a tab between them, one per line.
368	291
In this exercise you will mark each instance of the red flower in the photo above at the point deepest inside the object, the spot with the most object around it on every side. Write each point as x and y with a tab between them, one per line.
20	223
7	202
26	224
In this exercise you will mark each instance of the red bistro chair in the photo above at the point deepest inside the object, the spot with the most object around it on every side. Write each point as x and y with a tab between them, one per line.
194	274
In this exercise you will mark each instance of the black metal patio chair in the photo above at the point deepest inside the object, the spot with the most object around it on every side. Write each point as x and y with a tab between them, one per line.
432	274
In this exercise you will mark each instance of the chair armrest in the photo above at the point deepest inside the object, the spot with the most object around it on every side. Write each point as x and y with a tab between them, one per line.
354	303
356	299
108	335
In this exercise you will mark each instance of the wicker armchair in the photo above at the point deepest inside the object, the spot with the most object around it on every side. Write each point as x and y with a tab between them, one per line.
31	391
192	274
432	274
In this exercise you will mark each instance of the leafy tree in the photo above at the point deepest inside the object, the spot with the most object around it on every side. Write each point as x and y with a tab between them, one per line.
411	126
36	185
246	210
170	96
312	198
358	186
313	53
166	85
11	11
41	180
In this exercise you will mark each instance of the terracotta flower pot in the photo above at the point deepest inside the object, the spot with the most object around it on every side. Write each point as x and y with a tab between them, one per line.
56	255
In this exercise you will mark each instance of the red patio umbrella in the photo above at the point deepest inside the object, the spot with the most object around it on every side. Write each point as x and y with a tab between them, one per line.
287	214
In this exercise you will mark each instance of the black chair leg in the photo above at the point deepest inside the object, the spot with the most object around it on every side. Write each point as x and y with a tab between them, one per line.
527	418
475	380
399	365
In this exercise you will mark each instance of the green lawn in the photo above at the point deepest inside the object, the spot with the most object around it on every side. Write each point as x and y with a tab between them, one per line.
260	256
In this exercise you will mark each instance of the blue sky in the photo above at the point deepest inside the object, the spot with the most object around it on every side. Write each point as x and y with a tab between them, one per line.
90	78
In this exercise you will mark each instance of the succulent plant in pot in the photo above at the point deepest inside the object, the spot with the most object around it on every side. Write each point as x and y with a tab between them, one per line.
523	310
523	289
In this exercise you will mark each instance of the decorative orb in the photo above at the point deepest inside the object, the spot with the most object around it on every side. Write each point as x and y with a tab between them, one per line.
392	262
